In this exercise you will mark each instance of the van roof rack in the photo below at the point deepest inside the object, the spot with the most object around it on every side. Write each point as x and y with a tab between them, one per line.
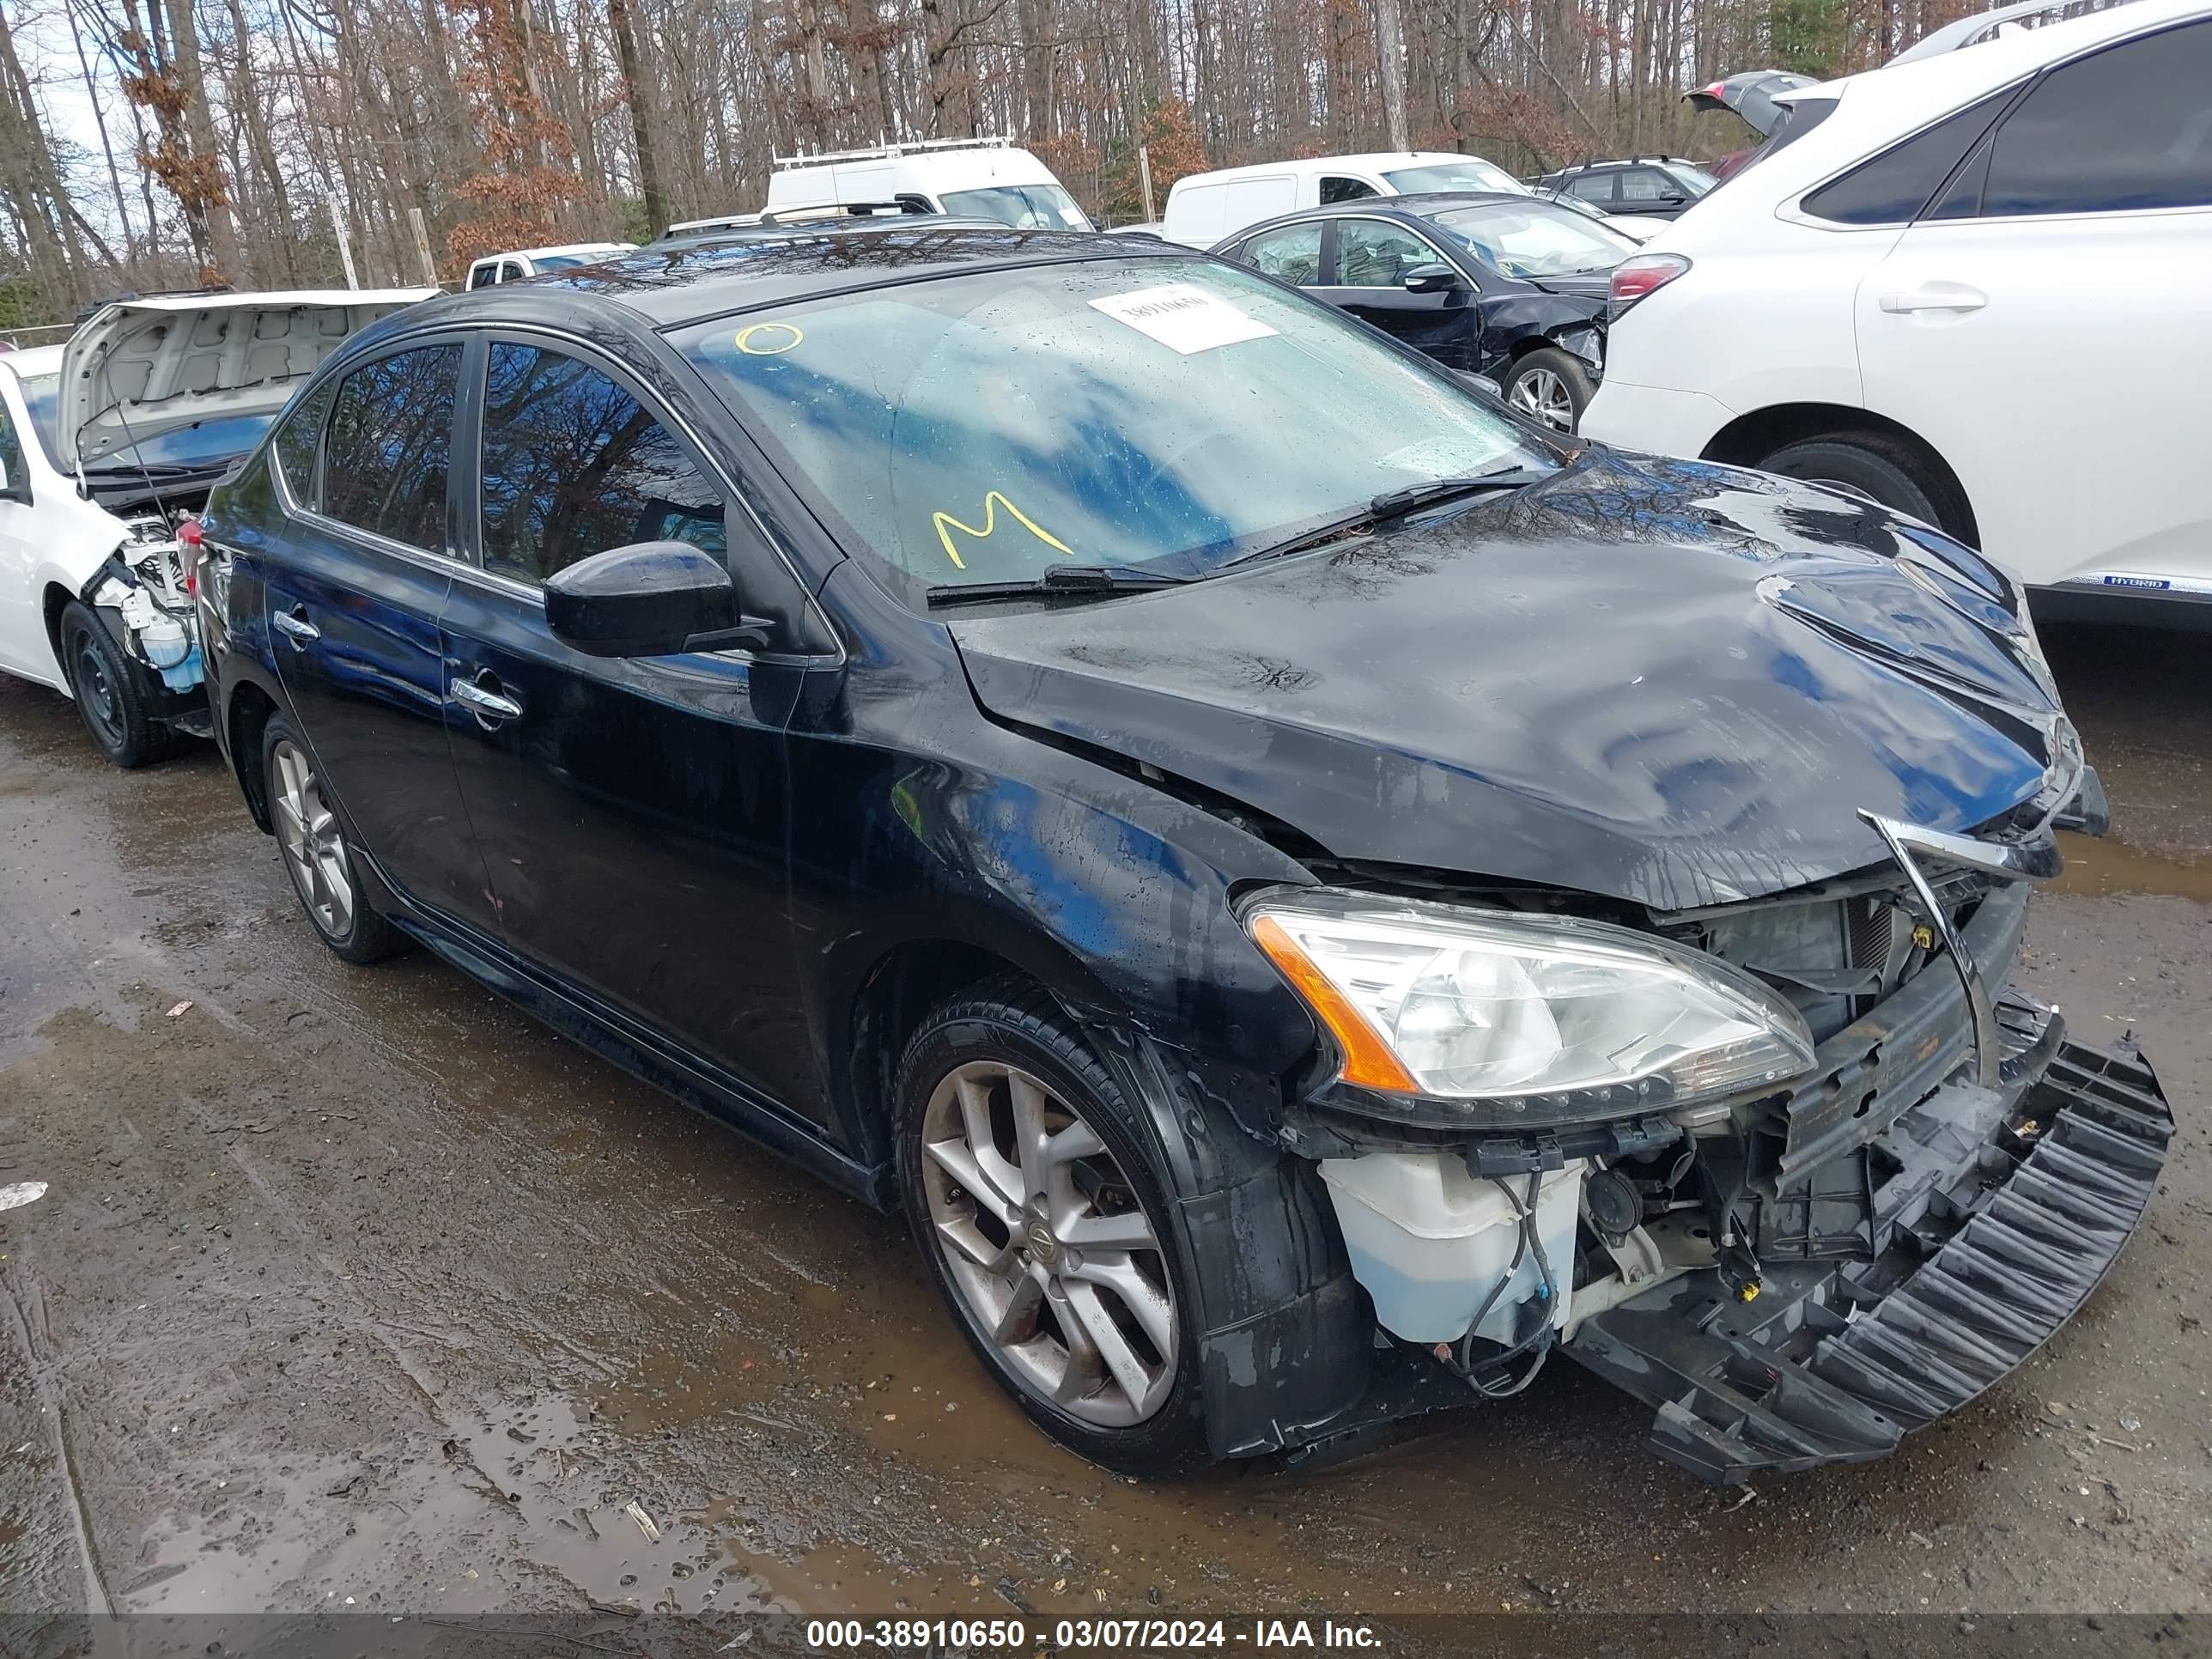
890	152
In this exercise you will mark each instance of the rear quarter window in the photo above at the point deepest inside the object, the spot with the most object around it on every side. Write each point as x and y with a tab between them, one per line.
297	435
1895	186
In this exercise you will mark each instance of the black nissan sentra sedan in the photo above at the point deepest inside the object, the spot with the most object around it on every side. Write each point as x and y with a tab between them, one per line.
1314	902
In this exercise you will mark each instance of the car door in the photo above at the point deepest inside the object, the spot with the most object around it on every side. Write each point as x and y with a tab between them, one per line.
355	581
1371	258
1647	191
22	623
2038	322
631	812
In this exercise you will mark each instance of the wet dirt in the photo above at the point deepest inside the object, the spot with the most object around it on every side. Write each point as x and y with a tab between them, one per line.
354	1288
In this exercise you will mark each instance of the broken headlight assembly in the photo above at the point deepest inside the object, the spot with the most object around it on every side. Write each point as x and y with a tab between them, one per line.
1453	1017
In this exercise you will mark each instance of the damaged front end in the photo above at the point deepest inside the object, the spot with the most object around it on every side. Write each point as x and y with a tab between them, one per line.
143	594
1793	1268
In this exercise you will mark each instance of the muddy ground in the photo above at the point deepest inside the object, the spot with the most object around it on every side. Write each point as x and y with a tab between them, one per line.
354	1288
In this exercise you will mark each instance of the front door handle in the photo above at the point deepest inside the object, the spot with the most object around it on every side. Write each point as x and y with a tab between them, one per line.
487	702
1935	296
295	625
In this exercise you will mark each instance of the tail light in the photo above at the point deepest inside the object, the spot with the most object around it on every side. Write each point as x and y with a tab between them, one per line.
1644	274
189	542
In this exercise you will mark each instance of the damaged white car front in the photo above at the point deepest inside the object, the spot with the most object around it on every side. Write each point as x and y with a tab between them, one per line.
108	448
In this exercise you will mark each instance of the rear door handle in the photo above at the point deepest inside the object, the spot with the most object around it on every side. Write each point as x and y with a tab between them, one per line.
1935	296
295	625
487	702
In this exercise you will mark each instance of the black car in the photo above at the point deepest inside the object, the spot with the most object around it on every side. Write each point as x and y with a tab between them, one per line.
1312	898
1507	286
1650	186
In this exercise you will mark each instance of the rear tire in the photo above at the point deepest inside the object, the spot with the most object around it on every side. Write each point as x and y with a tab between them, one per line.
325	876
1878	467
105	685
1034	1254
1550	385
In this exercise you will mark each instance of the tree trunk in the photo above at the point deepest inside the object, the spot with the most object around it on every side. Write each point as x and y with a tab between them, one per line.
1390	55
650	182
199	132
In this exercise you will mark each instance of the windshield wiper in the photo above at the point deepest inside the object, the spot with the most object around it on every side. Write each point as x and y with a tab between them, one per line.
1397	503
1058	582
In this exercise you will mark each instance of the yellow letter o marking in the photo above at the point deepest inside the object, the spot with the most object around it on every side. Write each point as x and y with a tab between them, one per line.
776	345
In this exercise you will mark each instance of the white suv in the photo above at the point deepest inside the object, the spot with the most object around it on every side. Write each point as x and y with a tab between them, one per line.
1976	286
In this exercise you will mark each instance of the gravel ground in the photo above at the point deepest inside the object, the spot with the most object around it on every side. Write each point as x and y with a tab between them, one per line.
354	1288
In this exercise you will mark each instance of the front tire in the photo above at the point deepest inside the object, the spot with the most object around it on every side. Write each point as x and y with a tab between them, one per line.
325	874
1879	468
1551	386
105	685
1044	1224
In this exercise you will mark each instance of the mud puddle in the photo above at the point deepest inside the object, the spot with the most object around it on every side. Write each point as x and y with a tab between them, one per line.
2101	866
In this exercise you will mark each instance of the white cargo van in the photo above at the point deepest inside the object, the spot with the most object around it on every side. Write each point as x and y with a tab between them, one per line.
985	177
1206	207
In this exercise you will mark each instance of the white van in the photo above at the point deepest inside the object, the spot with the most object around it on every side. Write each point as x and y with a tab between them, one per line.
514	265
1206	207
982	178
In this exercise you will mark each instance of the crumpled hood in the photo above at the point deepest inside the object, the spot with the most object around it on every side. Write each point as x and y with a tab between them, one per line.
140	368
1668	682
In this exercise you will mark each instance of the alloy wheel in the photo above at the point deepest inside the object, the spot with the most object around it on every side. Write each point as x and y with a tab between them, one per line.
314	846
96	693
1542	393
1056	1263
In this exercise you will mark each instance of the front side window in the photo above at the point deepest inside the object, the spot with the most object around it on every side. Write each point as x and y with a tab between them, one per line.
1893	187
1468	173
2125	131
296	439
1025	207
1535	239
1346	189
42	401
389	443
573	465
1648	185
1292	254
1372	254
987	426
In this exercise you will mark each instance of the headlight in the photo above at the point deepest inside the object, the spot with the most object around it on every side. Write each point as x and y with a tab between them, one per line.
1524	1020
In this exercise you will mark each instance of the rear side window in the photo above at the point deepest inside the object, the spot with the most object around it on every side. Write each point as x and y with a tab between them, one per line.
573	465
1592	187
2126	129
296	443
1292	254
1895	186
390	441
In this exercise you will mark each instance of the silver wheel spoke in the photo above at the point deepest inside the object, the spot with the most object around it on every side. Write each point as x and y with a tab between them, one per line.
1078	1139
1126	1231
962	1237
1018	1319
1029	1137
1113	1347
982	1143
957	1160
1118	1276
1085	1368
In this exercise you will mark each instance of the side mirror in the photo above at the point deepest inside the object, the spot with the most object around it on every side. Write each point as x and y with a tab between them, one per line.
1673	198
1432	278
649	599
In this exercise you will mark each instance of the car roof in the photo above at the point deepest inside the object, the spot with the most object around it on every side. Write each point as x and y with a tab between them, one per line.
1420	204
30	362
670	286
547	252
1375	161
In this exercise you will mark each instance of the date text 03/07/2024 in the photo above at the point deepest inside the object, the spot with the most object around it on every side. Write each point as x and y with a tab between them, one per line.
1071	1635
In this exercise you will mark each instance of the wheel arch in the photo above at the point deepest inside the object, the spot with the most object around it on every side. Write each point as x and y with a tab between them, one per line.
1749	438
244	718
52	601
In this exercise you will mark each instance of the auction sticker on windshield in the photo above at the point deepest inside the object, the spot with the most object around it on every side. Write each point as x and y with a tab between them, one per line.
1183	317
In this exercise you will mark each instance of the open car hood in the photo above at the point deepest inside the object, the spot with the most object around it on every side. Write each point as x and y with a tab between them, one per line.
141	368
1667	682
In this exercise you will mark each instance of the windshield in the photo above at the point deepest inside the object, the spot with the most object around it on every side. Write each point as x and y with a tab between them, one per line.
1535	238
1164	413
1469	172
202	445
42	395
1025	207
1696	180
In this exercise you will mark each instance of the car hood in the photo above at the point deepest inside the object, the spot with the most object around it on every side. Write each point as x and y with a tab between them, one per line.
140	368
1670	683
